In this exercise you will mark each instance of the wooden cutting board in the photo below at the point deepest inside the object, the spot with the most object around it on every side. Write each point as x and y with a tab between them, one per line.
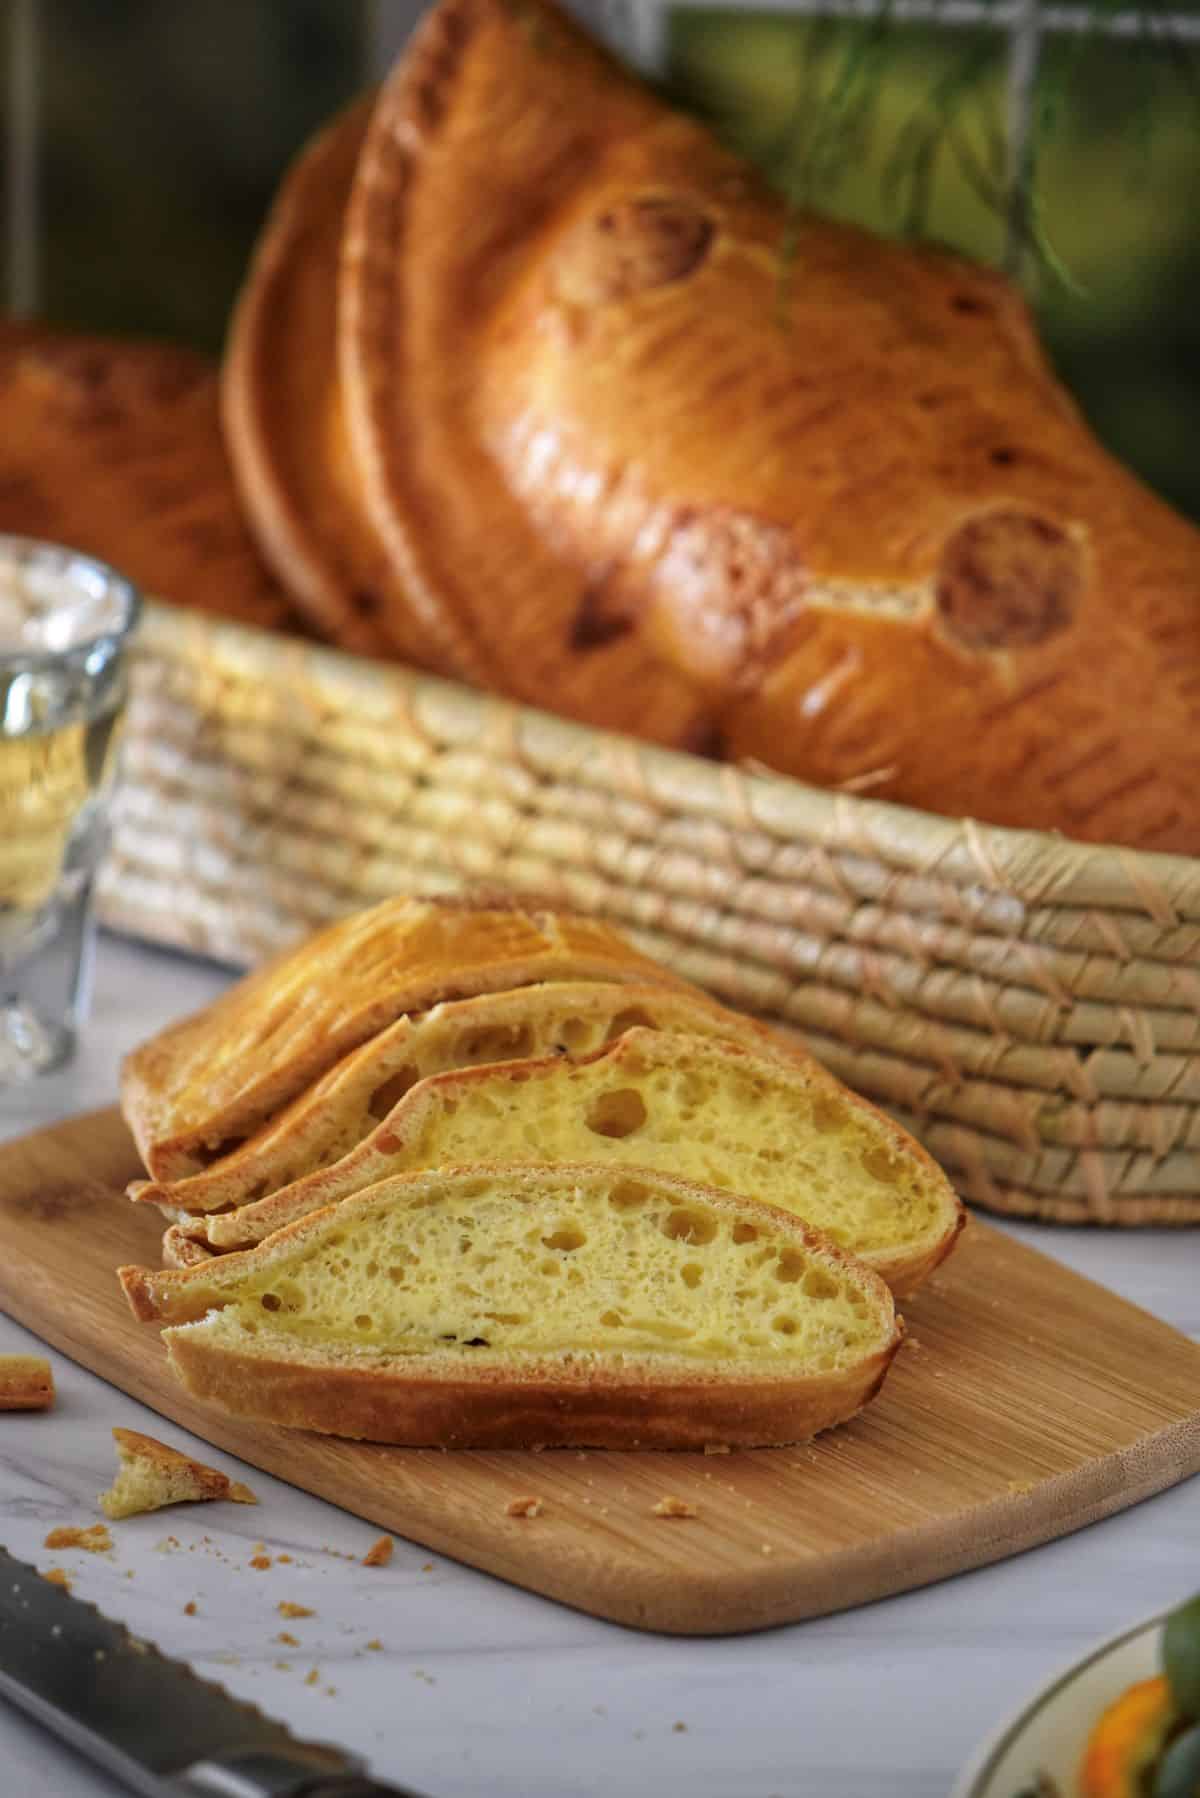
1026	1403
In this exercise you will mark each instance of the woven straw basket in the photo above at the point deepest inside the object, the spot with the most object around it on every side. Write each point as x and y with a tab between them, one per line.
1029	1007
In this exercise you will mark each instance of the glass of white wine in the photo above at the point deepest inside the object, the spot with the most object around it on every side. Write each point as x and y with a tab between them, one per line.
65	626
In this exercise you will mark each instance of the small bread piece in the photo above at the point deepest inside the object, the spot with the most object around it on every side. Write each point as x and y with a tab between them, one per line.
152	1475
572	1018
198	1089
26	1383
785	1132
524	1307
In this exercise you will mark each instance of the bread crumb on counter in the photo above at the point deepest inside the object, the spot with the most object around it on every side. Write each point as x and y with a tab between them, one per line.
26	1383
287	1639
679	1729
379	1553
312	1678
189	1609
262	1562
523	1507
95	1540
375	1643
58	1576
151	1475
287	1609
675	1507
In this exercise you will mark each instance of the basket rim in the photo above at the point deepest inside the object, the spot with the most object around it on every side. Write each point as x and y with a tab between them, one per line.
1030	866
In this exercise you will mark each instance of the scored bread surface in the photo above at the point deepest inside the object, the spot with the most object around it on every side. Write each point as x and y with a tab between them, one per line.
329	1119
525	1306
203	1085
785	1132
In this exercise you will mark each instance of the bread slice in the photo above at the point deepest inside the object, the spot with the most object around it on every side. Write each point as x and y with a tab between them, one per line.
286	437
26	1383
522	1307
786	1133
329	1119
199	1088
151	1475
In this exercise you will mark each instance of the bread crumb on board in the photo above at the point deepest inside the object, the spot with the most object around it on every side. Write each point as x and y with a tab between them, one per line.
716	1448
95	1540
675	1507
151	1475
26	1383
287	1609
379	1553
524	1507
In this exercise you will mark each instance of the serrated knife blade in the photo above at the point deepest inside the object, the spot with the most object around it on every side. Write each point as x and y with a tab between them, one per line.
145	1718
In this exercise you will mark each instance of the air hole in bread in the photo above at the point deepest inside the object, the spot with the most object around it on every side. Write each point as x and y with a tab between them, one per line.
882	1166
390	1093
744	1233
270	1301
364	1321
691	1273
633	1018
627	1195
785	1325
818	1284
573	1033
616	1113
827	1114
612	1320
566	1240
789	1267
687	1225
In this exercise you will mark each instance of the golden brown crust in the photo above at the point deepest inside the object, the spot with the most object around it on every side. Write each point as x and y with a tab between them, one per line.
220	1073
26	1383
282	412
115	447
388	1150
344	1105
869	533
593	1409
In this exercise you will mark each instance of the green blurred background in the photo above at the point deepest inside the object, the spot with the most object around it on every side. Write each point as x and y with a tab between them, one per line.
166	125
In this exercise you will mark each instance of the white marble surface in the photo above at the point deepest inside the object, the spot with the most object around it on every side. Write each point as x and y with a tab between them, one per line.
479	1689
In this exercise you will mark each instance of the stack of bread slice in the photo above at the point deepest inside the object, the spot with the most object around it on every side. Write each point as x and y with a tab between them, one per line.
480	1173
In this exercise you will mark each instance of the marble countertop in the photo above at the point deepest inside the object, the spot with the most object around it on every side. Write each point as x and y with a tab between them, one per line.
461	1686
